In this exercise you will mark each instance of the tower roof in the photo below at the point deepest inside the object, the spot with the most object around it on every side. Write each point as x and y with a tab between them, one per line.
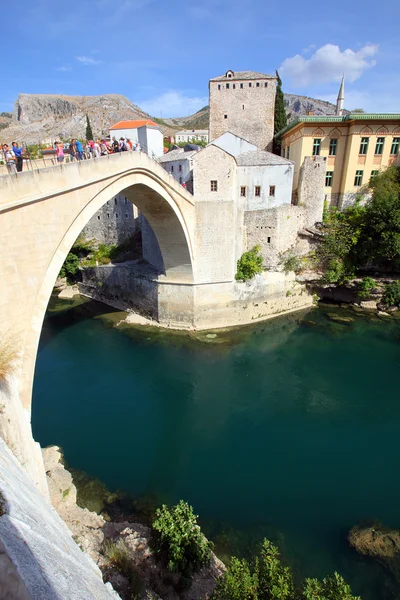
235	75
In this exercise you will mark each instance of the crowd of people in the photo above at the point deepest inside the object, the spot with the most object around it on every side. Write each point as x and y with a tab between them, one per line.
78	150
14	156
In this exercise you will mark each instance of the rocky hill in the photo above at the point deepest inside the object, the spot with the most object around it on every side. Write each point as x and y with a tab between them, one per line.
39	117
43	117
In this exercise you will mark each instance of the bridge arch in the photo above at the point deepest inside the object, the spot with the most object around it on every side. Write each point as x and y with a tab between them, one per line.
49	208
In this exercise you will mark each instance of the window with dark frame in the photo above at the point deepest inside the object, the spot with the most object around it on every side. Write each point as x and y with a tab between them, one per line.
272	190
316	146
227	86
379	146
243	191
249	83
241	86
180	168
266	84
358	178
394	150
374	174
172	168
333	147
214	185
328	178
257	190
225	116
268	240
364	145
258	84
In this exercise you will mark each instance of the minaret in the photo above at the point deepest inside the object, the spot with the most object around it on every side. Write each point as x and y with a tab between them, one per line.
340	99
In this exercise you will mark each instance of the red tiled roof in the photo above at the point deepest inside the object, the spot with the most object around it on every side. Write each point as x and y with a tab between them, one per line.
133	124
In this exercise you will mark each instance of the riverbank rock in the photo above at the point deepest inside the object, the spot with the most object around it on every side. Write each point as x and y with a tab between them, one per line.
368	304
69	292
379	543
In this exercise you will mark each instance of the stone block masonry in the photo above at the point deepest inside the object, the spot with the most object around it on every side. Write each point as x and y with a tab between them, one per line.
244	107
116	221
311	188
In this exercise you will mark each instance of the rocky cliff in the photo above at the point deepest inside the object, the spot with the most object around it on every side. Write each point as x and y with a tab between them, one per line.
47	117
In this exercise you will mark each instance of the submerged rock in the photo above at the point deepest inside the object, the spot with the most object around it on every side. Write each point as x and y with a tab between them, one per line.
339	318
377	542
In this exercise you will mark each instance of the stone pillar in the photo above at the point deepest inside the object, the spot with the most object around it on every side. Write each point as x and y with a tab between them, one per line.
311	188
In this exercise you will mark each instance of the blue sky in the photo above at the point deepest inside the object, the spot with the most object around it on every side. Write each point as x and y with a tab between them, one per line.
161	54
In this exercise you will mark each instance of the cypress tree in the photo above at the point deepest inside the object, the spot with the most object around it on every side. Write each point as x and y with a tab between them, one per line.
89	132
280	115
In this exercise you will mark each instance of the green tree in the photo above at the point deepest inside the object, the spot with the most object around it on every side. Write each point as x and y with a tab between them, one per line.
178	540
275	580
89	132
70	267
249	264
333	587
279	115
238	583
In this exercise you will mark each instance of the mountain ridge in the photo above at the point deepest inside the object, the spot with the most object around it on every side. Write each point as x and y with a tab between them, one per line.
39	117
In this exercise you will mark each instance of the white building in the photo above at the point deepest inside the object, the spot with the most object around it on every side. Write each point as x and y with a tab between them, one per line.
192	135
179	163
143	131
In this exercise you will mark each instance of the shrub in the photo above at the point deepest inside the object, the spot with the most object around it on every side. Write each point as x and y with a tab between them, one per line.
249	264
103	256
238	583
179	540
366	287
70	267
292	263
269	579
120	559
391	294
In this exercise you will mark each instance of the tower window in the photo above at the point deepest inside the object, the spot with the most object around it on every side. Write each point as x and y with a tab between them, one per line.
358	178
213	185
364	145
180	179
98	217
328	178
379	145
115	201
266	84
272	191
316	147
126	216
333	147
227	86
116	216
180	168
243	107
126	201
108	215
234	86
225	116
249	83
219	86
268	240
258	84
172	168
241	86
243	191
257	190
395	146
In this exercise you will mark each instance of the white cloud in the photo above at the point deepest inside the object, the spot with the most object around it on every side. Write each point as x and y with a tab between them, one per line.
64	68
88	60
173	104
328	64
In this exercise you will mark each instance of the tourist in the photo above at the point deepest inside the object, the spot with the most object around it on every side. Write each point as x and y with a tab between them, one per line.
72	151
103	148
137	147
10	160
88	150
122	145
79	149
115	145
96	149
18	155
60	152
129	144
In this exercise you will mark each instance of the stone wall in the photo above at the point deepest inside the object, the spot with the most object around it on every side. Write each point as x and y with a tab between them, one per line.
114	222
38	557
247	112
311	188
274	230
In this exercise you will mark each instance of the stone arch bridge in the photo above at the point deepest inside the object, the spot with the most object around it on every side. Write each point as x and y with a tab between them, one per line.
42	213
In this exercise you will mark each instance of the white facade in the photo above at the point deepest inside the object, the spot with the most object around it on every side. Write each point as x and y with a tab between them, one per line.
264	186
179	164
233	144
149	137
191	135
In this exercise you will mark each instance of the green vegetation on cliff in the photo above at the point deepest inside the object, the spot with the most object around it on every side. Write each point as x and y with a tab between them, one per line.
249	264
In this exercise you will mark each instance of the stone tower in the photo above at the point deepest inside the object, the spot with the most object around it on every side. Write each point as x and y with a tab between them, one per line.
243	103
340	99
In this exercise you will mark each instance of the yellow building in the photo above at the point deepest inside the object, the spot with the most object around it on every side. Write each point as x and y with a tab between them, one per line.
356	147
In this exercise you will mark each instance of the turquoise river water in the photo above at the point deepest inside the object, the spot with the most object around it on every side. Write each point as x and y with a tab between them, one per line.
288	428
